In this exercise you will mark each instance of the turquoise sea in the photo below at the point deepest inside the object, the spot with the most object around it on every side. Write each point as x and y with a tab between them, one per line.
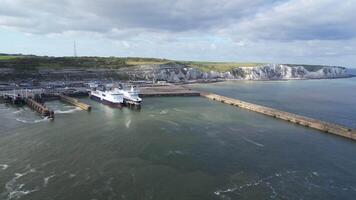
184	147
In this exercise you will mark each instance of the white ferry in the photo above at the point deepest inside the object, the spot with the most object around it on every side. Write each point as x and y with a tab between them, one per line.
112	97
131	96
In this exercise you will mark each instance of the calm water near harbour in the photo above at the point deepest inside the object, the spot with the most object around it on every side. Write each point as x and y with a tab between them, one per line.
331	100
184	147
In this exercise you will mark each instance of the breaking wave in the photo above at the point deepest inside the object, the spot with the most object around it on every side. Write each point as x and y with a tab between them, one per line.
252	142
307	180
4	166
46	180
17	111
27	121
66	111
14	189
127	123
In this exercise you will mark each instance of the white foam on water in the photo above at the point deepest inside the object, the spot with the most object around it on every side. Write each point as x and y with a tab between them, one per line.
66	106
66	111
163	112
72	175
17	111
169	121
175	152
27	121
252	142
315	173
179	110
46	180
15	189
127	123
48	163
4	166
264	181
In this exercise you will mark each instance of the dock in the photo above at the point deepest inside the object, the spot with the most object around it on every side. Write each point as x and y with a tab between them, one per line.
40	108
75	102
167	91
290	117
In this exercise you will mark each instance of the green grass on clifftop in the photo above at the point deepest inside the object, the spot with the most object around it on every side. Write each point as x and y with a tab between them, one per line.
3	57
31	62
218	66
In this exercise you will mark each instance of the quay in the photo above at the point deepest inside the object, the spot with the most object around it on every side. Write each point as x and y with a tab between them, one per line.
167	91
74	102
35	100
40	108
290	117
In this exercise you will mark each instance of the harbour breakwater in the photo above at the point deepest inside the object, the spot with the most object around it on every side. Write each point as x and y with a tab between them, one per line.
290	117
176	90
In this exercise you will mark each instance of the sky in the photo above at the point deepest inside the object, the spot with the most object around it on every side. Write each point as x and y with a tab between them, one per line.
275	31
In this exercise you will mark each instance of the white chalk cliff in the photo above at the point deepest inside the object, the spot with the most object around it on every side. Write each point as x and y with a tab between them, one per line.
174	72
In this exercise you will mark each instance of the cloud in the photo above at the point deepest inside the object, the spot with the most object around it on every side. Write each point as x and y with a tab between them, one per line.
303	20
224	29
106	16
259	19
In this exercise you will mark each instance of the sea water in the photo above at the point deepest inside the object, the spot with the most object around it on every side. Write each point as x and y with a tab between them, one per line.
184	147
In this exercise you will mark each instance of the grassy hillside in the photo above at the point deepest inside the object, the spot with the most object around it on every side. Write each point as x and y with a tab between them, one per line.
6	57
218	66
30	62
39	62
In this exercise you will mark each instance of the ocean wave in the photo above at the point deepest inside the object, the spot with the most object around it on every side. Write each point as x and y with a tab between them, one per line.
309	180
66	111
252	142
263	181
48	163
127	123
4	166
163	112
169	121
179	110
14	189
46	180
18	111
176	152
66	106
27	121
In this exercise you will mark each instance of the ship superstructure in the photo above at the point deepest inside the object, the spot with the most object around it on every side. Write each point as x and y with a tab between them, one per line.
111	96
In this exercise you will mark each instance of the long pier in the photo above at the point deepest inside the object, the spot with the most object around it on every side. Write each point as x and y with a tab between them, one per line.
75	102
167	91
290	117
41	109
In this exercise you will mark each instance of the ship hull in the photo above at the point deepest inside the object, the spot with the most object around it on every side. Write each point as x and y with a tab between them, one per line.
106	102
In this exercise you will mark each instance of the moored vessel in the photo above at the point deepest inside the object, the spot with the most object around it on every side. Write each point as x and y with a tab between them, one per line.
112	97
131	96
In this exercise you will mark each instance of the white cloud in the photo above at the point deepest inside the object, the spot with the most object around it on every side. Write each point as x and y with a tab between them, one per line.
274	30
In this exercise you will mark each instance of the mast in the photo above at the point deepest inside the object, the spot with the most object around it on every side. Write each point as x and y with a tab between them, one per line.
75	48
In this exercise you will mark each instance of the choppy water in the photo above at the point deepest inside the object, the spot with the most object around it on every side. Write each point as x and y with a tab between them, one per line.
174	148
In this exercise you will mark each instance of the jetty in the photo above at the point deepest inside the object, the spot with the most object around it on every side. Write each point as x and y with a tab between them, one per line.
167	91
74	101
40	108
33	101
290	117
